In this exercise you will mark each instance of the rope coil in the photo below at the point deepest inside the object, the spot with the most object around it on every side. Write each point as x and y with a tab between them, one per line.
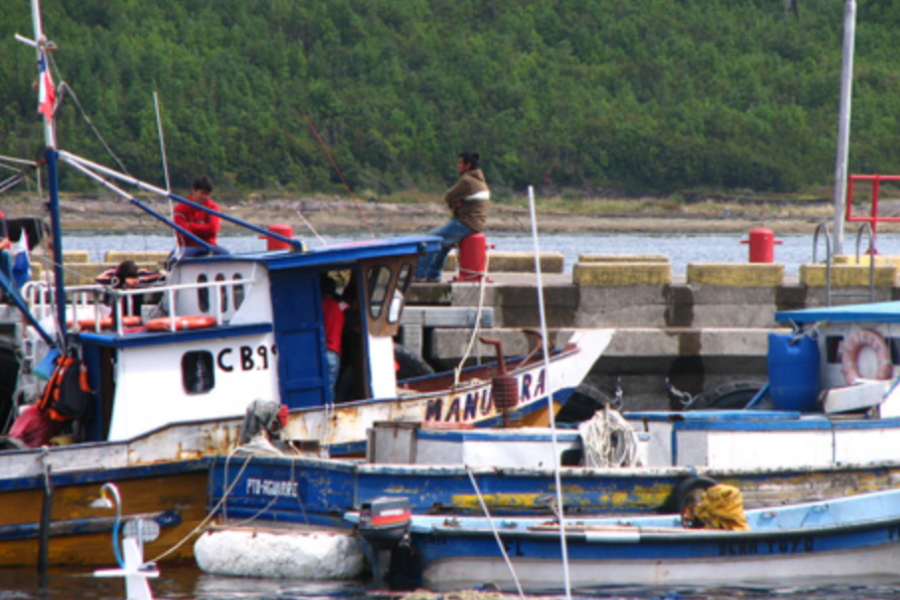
608	440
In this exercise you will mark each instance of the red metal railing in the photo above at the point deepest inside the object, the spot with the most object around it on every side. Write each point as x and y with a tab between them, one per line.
873	219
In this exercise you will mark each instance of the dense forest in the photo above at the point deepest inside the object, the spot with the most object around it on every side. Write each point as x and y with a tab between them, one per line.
651	95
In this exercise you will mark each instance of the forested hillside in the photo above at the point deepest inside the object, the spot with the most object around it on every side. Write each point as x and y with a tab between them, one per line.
630	94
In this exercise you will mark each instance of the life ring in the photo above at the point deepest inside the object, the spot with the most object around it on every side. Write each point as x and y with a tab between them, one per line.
854	344
181	323
108	323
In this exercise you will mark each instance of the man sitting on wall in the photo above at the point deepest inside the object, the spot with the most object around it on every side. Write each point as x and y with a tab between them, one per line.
468	200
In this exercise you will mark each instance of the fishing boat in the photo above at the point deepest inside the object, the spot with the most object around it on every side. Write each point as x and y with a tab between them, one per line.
815	542
169	385
810	435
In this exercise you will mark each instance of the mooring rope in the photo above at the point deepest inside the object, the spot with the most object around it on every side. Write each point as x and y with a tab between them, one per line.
212	513
475	330
608	440
487	513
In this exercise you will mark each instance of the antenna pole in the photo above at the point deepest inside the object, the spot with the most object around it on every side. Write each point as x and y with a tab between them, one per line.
564	547
165	163
843	146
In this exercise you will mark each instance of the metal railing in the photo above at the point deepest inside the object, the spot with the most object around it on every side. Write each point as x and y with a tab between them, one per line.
874	218
97	302
822	229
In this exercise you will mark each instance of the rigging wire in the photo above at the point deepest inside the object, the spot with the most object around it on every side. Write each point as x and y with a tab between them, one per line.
337	169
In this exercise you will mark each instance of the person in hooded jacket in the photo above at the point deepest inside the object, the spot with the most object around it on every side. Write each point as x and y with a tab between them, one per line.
468	200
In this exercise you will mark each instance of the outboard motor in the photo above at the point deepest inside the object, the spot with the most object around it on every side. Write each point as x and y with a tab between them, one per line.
383	522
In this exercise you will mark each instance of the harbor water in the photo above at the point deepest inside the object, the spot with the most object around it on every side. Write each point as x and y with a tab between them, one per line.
680	248
185	583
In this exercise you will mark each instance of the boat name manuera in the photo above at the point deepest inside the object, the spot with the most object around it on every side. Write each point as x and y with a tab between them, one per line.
462	408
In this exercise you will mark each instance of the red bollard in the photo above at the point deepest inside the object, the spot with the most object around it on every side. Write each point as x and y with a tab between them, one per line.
282	230
472	257
762	245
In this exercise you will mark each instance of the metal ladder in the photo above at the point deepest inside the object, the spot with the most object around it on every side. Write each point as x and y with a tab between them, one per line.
822	228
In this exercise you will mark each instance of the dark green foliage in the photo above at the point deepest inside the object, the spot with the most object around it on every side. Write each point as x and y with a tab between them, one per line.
651	94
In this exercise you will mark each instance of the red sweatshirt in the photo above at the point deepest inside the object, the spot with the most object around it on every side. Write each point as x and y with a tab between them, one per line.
202	224
334	323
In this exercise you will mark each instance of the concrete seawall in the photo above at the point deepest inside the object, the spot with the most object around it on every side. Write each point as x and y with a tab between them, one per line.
700	330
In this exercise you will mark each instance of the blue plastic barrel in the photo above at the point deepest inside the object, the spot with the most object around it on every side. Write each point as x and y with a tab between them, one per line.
793	364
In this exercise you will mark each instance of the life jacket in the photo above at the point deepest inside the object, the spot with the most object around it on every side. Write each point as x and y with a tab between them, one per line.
68	393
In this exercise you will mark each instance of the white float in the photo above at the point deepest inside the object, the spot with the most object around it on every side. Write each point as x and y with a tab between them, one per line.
301	553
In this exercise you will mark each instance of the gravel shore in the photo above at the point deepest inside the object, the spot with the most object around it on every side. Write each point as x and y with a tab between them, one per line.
82	213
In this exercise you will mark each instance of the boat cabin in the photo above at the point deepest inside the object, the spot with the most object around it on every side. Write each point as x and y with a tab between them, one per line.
242	327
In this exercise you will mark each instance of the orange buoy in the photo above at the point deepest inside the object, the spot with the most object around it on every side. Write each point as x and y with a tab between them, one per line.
853	346
107	323
181	323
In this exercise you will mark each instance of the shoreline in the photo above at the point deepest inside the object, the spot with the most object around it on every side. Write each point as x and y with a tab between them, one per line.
83	214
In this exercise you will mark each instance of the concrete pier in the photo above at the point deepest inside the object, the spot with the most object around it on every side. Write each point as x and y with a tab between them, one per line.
696	331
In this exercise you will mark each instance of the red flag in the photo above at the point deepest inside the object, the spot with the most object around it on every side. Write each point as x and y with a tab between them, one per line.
46	91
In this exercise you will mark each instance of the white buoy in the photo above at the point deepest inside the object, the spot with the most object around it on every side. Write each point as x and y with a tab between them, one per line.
302	553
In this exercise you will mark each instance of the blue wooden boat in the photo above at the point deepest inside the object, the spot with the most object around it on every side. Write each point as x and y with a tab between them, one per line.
790	448
816	542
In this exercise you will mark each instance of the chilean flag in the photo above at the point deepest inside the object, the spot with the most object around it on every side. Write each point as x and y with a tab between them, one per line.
46	91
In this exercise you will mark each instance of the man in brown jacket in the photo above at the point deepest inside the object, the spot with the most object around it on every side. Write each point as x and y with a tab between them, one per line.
469	200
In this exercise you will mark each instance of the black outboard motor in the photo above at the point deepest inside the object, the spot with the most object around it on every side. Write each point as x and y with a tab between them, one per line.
383	522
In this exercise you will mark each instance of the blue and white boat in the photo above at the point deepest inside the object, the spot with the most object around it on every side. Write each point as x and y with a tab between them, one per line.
816	542
223	332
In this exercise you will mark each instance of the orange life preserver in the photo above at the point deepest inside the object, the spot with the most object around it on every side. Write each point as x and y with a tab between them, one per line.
854	344
181	323
107	323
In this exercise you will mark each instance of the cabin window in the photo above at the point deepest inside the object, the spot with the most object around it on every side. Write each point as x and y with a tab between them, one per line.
833	348
379	279
197	373
238	291
203	293
894	345
403	280
223	292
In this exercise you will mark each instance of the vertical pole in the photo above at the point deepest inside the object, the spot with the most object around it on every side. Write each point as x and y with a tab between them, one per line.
564	547
843	145
46	512
56	231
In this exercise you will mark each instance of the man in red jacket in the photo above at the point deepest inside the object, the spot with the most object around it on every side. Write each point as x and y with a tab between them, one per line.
199	222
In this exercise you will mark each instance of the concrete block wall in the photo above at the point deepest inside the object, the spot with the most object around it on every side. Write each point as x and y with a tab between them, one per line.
513	262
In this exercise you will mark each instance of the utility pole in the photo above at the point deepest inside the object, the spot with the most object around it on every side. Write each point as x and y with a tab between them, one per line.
843	145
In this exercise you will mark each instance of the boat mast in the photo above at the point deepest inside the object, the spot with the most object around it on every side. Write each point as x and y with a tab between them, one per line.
46	106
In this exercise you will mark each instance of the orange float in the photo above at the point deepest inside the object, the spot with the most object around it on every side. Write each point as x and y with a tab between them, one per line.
180	323
107	323
854	344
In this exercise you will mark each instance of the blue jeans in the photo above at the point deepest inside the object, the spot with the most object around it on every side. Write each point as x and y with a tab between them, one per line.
430	265
334	367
